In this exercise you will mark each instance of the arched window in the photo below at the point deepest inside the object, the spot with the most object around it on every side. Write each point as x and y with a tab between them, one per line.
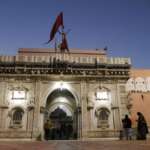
140	84
16	117
102	115
130	85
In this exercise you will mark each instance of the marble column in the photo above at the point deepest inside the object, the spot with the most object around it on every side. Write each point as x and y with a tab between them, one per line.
84	109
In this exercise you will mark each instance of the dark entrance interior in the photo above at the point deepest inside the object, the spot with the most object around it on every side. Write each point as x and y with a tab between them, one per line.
62	125
61	118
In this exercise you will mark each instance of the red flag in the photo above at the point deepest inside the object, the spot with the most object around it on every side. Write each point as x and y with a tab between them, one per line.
64	44
57	24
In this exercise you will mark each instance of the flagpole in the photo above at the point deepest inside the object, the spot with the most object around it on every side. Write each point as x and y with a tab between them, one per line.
62	36
55	45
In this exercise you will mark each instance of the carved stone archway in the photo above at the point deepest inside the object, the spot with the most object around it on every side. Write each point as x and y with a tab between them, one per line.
63	100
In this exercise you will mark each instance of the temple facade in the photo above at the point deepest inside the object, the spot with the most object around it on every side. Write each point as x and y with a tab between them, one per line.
83	89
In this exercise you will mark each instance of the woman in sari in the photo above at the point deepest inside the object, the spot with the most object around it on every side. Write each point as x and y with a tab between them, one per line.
142	128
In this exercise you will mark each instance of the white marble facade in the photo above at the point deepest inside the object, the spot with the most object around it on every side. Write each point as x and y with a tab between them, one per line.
87	85
100	104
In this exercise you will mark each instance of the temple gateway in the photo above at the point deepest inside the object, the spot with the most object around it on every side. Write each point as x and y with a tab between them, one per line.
82	91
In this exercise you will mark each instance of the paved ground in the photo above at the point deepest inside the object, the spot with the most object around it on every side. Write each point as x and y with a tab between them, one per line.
76	145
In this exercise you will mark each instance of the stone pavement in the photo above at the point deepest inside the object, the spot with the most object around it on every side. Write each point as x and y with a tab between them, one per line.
76	145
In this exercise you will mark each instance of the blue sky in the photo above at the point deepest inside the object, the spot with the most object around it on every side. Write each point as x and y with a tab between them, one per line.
121	25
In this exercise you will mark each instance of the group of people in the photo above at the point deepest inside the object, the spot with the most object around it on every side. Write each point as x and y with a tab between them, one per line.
59	131
142	129
65	131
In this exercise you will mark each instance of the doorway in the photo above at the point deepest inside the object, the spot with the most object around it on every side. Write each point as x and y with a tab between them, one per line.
62	125
61	117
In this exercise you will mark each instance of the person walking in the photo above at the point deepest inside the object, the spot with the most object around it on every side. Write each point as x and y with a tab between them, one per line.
142	128
127	124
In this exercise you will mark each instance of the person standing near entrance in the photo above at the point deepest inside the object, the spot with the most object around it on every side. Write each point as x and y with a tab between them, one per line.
47	128
127	124
142	128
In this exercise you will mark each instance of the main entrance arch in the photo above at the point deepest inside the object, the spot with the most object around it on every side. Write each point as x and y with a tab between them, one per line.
61	111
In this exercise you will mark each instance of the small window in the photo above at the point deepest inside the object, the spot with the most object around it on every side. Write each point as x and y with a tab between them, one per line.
102	118
103	114
16	118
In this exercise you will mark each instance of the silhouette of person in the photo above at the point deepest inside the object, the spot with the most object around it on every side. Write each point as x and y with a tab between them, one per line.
142	128
127	124
47	127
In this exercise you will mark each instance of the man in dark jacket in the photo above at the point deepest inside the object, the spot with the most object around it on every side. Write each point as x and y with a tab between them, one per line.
127	127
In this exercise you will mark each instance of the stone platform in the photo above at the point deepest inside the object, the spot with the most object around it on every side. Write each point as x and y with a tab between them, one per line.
76	145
